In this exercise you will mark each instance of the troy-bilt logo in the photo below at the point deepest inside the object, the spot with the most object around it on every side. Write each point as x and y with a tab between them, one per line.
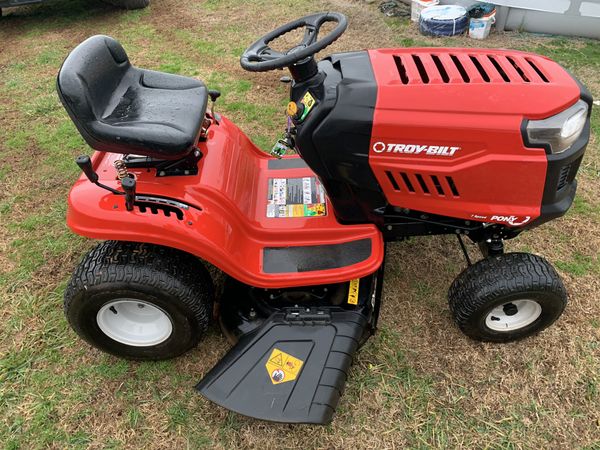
515	221
415	149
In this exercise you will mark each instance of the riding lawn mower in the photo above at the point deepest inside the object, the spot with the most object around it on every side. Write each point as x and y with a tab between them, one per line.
380	146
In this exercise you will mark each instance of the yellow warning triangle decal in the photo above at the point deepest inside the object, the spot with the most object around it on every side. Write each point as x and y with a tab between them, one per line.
282	367
277	359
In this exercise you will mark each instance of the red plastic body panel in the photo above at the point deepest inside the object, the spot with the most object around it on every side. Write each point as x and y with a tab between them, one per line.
227	226
440	120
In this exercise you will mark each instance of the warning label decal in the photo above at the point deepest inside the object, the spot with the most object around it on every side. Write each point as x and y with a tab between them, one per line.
353	292
282	367
295	197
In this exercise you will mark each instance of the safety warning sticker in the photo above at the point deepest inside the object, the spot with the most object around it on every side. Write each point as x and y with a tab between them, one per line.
353	292
282	367
295	197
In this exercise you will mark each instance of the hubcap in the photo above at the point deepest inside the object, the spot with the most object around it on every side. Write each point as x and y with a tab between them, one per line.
134	322
513	315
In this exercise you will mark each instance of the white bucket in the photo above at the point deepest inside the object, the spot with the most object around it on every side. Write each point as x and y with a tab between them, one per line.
419	5
480	28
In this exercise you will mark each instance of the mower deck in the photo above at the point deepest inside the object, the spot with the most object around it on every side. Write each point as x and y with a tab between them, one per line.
266	222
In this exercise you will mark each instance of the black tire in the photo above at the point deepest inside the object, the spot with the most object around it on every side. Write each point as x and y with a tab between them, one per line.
129	4
174	282
498	281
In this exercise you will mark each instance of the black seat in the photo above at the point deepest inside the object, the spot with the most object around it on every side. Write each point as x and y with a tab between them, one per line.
122	109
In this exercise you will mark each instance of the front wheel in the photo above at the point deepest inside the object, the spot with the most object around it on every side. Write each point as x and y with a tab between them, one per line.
139	301
507	297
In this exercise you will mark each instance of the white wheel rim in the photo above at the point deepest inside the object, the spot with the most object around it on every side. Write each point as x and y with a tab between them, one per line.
513	315
134	322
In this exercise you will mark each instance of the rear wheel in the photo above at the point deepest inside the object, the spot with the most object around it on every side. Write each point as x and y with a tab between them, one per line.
139	301
129	4
507	297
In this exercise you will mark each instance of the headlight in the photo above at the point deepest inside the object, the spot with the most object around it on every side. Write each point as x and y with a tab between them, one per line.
561	130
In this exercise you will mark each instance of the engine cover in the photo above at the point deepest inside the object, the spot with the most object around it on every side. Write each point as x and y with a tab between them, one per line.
447	131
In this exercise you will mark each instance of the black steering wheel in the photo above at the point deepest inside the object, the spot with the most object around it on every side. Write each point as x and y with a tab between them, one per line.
259	57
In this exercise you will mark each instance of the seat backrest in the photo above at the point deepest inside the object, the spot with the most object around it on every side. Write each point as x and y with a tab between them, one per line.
90	75
123	109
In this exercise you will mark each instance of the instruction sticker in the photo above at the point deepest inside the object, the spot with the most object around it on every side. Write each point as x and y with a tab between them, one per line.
308	101
295	197
353	292
282	367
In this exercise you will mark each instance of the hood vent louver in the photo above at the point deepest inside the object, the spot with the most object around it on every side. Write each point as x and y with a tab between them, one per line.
440	67
499	68
401	69
421	69
537	69
424	67
480	69
518	69
422	183
461	69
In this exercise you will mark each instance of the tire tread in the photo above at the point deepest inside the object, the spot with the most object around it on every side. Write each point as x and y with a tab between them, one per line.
169	270
497	276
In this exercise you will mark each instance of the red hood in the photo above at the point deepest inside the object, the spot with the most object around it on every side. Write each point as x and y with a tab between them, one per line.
480	81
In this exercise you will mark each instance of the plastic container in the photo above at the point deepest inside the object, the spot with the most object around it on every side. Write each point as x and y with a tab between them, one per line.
480	28
419	5
483	16
444	20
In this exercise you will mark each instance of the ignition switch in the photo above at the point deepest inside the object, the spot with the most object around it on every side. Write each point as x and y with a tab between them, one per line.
295	110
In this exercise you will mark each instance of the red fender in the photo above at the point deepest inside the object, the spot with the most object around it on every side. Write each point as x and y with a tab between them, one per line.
226	223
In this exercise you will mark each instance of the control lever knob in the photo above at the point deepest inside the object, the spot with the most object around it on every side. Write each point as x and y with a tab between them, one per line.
128	184
85	164
214	95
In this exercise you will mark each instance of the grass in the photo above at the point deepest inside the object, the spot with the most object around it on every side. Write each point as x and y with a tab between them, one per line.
418	384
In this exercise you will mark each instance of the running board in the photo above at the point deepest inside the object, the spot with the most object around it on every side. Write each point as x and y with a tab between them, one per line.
292	369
